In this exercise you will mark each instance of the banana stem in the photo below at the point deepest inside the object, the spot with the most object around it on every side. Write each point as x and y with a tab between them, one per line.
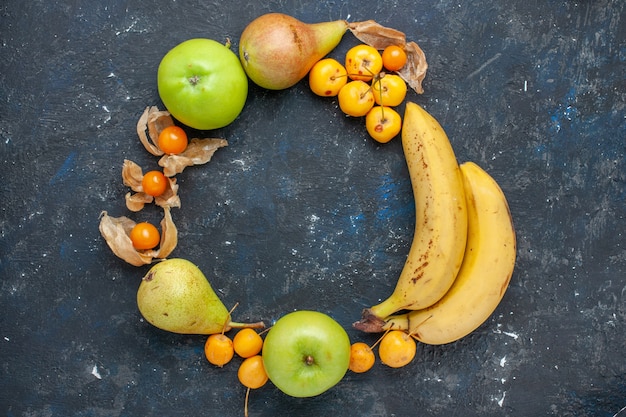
369	323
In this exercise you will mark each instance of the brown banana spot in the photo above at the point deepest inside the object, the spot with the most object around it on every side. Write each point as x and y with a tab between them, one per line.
505	285
419	273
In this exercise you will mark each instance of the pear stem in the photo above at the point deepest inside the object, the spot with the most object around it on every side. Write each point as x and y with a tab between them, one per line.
237	325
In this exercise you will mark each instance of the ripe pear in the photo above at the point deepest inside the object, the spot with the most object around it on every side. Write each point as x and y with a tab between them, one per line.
176	296
277	50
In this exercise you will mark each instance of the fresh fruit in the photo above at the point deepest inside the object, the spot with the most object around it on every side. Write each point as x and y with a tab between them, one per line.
202	84
389	90
327	77
394	57
306	353
154	183
484	275
252	375
383	123
218	349
362	357
363	62
176	296
356	98
438	245
144	236
247	342
396	349
277	50
251	372
116	232
172	140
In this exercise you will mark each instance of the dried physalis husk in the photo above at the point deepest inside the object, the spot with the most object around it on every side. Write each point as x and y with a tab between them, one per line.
414	71
153	121
198	152
132	176
379	37
116	231
376	35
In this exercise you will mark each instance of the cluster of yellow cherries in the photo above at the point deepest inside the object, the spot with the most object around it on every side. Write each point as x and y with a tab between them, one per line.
365	86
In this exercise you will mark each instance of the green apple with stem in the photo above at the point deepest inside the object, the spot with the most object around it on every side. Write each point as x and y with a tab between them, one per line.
305	353
202	84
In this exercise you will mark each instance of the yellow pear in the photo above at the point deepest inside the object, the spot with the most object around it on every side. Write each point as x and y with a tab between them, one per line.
176	296
277	50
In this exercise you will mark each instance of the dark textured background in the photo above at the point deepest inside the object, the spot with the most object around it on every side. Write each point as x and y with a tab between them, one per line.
303	210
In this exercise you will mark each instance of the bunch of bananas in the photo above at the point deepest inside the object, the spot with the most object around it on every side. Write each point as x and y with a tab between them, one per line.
463	251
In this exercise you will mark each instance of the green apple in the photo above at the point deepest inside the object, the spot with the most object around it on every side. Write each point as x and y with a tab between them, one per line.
306	353
202	84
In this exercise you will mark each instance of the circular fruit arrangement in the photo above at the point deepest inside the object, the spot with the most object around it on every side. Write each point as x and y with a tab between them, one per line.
305	353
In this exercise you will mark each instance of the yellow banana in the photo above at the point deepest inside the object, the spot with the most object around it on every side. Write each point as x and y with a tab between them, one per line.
484	275
438	244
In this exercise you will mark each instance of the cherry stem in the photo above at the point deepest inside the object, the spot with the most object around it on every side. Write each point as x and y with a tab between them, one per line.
334	77
416	327
245	407
379	339
228	323
374	76
377	79
264	330
236	325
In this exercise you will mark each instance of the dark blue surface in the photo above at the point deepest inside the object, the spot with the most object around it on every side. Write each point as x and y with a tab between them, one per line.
303	210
